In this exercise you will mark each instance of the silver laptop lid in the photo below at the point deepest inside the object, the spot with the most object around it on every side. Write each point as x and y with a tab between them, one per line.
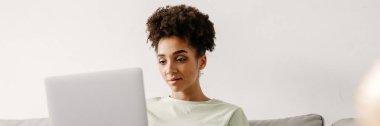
105	98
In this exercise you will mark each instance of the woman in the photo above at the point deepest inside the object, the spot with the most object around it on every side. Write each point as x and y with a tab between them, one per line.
181	35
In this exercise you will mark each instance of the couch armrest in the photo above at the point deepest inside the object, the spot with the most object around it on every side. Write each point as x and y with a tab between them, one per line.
25	122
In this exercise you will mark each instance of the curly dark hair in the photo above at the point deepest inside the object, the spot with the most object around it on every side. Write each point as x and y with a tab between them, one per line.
185	22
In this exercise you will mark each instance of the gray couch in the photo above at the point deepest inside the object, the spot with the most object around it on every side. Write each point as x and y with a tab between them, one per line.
302	120
345	122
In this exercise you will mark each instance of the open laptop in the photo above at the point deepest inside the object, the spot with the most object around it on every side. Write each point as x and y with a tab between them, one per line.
104	98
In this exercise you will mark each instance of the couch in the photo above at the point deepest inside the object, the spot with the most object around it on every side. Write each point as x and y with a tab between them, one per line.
302	120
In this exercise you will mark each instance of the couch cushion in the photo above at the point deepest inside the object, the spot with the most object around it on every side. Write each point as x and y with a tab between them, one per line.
25	122
345	122
303	120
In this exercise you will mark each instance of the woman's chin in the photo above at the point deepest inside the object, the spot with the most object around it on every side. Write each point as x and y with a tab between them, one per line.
175	88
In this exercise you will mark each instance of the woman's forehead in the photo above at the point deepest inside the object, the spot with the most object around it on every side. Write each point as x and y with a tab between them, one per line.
171	45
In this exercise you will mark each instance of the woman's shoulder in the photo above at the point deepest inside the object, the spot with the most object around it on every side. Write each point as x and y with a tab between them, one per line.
225	104
154	99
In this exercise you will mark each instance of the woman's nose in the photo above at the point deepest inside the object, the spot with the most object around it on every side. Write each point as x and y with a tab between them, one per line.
171	68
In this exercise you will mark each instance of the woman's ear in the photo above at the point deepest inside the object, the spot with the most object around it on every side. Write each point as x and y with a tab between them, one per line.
203	61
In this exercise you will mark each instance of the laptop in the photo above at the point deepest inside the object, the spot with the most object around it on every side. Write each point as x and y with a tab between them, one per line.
104	98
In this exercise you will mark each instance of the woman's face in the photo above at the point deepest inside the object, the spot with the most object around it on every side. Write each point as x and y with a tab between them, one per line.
178	64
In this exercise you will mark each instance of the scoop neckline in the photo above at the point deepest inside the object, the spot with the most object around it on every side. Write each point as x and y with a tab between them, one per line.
191	102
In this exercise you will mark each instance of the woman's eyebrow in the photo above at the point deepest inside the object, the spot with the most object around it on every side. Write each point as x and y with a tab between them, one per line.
175	53
179	51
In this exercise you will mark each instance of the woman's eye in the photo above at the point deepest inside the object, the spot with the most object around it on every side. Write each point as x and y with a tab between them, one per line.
161	62
181	59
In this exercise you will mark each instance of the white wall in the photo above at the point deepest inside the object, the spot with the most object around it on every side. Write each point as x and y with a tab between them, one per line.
274	58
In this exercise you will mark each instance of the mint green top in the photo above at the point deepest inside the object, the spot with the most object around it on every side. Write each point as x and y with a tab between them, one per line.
167	111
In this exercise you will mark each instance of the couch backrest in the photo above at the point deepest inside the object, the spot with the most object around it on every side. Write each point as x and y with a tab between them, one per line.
303	120
345	122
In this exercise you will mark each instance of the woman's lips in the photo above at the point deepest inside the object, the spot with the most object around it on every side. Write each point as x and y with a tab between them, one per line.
174	80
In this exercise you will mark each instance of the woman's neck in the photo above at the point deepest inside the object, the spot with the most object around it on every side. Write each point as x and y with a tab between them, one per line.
193	93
